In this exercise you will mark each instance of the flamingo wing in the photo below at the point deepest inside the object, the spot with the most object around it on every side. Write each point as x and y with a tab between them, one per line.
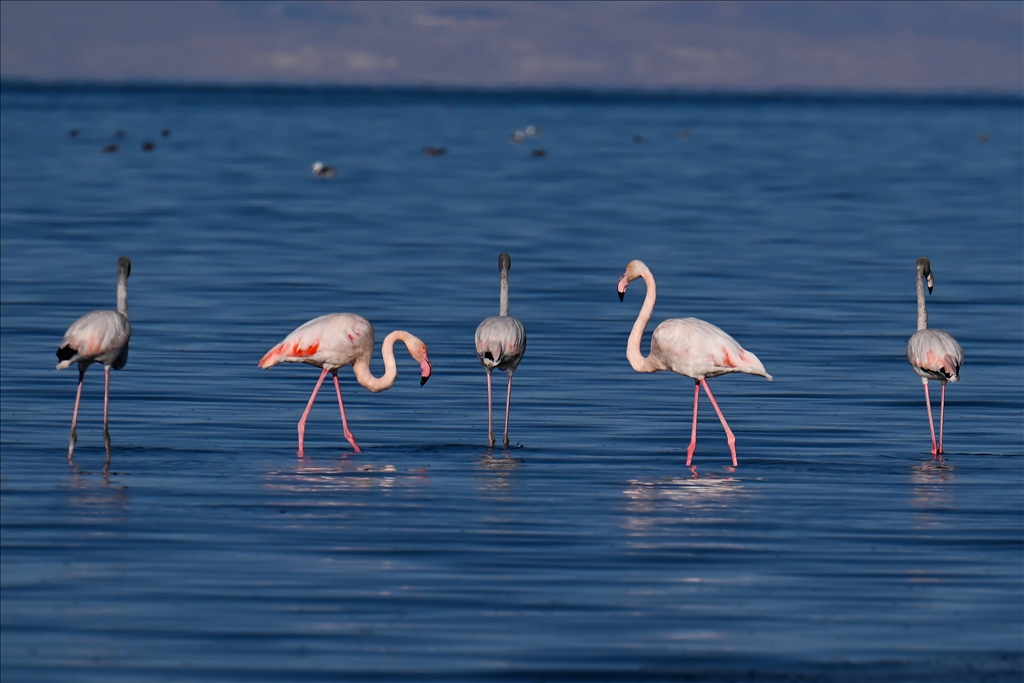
500	342
699	349
934	354
330	341
97	337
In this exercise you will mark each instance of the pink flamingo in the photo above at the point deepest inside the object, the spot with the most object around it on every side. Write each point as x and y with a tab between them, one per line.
933	354
337	339
500	343
687	346
98	337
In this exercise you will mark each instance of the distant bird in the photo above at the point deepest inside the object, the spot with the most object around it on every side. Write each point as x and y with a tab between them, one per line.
500	343
74	133
517	136
538	153
109	149
639	138
165	133
531	131
338	339
322	171
933	354
687	346
98	337
148	146
435	151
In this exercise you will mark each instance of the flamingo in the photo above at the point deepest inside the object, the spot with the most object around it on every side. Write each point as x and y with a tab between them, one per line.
500	343
932	353
98	337
338	339
687	346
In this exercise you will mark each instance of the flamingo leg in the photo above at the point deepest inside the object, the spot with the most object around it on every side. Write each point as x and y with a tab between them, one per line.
344	421
74	416
693	434
728	432
302	420
106	404
931	423
942	416
508	404
490	428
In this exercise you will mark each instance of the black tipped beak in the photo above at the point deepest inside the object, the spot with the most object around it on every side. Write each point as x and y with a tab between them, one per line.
622	296
423	380
929	289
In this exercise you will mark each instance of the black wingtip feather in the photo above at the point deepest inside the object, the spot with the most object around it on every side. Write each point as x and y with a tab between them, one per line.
65	352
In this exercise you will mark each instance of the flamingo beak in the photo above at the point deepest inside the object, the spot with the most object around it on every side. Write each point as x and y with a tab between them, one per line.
424	371
623	283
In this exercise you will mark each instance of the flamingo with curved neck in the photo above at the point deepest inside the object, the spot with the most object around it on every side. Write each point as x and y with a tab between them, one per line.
933	354
686	346
338	339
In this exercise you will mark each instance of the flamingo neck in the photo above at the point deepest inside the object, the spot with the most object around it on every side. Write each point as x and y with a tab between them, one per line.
122	294
633	354
922	310
362	365
503	305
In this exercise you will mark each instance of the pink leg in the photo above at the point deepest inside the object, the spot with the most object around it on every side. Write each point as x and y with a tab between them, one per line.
490	428
302	420
931	424
74	416
942	416
728	432
106	404
508	404
693	434
344	420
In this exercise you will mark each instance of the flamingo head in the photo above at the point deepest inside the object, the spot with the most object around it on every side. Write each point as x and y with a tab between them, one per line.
124	265
634	270
419	353
924	269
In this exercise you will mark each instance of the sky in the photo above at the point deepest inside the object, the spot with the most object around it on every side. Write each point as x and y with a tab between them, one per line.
736	46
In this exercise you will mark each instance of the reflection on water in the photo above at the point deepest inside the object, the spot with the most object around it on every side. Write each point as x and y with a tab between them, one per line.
932	488
672	501
494	472
309	476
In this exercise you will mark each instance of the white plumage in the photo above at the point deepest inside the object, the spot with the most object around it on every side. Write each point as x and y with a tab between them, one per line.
338	339
500	344
687	346
933	354
98	337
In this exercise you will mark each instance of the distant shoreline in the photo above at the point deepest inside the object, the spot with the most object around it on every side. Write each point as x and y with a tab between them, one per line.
526	93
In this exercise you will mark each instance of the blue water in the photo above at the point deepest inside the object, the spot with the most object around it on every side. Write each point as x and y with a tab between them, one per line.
838	550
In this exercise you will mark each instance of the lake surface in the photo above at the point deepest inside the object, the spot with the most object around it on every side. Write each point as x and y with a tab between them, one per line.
838	549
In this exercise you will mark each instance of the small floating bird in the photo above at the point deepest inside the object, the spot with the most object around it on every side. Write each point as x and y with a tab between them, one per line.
165	133
322	171
933	354
687	346
98	337
338	339
74	133
639	138
435	151
148	146
538	153
109	149
500	343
